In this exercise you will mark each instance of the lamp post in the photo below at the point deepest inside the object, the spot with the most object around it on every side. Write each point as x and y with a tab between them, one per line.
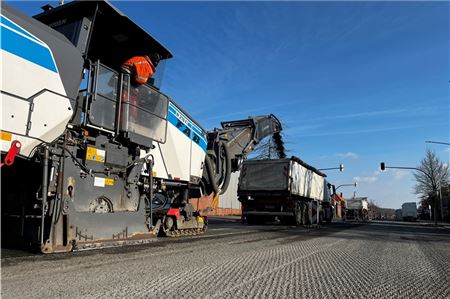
334	193
340	168
349	185
433	183
437	142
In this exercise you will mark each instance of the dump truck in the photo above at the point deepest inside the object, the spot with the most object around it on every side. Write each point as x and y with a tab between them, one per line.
91	159
357	209
409	211
288	189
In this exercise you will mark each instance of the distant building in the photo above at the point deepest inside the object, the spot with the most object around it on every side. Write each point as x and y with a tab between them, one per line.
445	203
442	205
338	203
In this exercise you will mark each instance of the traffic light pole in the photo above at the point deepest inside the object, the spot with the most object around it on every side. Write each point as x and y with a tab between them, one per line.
433	183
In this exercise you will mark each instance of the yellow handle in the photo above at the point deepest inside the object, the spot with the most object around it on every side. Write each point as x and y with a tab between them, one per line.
215	201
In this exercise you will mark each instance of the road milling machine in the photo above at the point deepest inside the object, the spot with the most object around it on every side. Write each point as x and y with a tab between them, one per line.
88	158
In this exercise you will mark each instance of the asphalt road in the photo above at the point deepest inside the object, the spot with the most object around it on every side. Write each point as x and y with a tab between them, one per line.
375	260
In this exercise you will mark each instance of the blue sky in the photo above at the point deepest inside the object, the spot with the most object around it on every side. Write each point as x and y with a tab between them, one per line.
353	82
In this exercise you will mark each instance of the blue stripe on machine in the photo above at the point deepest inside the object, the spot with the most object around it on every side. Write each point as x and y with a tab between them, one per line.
7	22
201	142
197	130
192	125
26	48
186	129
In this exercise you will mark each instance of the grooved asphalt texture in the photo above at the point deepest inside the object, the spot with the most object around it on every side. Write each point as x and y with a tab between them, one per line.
375	260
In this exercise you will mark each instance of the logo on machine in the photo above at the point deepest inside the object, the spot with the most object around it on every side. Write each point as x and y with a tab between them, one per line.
181	118
183	128
186	126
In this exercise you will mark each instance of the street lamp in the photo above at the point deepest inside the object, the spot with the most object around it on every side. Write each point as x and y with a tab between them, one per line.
349	185
437	142
344	185
341	168
433	183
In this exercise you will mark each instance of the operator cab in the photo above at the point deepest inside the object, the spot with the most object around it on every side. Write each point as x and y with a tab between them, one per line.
109	102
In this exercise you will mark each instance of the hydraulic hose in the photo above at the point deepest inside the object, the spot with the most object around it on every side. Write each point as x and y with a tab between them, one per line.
211	175
150	189
226	181
44	191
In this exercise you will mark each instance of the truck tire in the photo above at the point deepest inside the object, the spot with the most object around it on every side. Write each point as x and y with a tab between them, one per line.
252	220
298	213
308	213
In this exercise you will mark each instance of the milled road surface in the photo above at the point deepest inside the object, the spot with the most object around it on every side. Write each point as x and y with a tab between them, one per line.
376	260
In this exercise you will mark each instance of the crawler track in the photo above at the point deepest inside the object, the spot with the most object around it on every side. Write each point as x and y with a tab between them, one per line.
185	232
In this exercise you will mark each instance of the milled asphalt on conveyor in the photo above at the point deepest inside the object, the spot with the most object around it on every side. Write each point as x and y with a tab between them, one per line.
375	260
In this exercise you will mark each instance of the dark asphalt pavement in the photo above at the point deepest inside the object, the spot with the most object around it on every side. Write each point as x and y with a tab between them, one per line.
374	260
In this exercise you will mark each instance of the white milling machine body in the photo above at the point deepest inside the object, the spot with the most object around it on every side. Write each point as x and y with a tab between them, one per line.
98	160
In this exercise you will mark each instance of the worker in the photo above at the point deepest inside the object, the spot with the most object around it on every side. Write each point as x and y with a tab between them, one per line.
141	67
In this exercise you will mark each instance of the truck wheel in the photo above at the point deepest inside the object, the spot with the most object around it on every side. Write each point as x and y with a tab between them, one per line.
268	219
286	220
298	214
307	219
252	220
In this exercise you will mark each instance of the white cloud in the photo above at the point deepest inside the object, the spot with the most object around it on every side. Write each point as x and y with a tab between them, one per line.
400	174
366	179
349	155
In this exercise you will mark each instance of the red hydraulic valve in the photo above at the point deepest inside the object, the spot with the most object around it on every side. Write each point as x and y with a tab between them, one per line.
13	151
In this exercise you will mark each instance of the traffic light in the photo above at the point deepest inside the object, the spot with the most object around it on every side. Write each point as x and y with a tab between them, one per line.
382	166
341	167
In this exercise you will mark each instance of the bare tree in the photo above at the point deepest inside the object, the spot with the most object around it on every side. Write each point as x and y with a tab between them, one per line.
374	209
264	150
270	148
435	174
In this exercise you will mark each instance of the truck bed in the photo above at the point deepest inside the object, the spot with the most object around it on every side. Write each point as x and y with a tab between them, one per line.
282	176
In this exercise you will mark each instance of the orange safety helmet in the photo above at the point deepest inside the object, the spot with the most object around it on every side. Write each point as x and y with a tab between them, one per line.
141	67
